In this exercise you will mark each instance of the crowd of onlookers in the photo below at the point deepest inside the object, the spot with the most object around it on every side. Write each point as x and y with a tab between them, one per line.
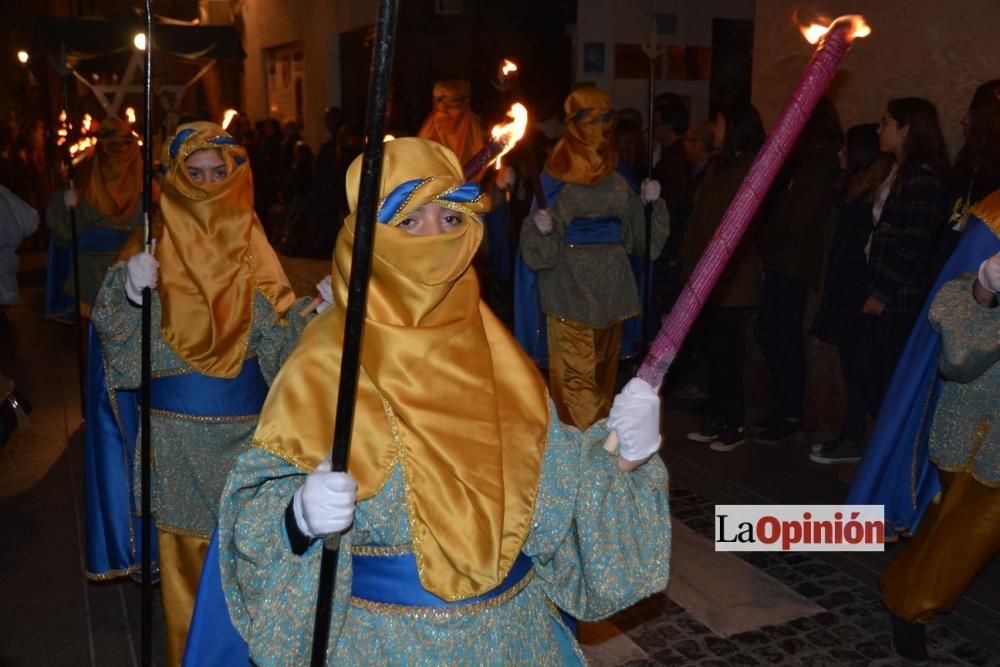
857	223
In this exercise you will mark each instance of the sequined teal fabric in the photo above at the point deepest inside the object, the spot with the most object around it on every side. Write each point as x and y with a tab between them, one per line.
964	437
600	541
190	456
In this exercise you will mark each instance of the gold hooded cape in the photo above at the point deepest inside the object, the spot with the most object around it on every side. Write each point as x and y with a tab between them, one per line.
585	154
444	390
112	182
213	255
463	133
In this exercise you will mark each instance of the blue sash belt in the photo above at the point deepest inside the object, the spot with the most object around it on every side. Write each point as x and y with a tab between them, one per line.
202	396
394	580
594	231
102	239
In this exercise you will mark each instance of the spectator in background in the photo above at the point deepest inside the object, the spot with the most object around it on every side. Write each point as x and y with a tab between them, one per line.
266	163
791	252
740	134
290	137
17	221
631	148
671	119
844	288
326	157
908	211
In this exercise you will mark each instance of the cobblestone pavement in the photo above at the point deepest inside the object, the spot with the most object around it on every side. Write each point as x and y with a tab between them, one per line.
854	629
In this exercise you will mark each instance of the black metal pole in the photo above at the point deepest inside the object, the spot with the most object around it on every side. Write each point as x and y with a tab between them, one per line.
81	363
649	205
357	294
146	368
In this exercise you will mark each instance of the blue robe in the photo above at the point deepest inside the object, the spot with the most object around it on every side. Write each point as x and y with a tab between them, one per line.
895	470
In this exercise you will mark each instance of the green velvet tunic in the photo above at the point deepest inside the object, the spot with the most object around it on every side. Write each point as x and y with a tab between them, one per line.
964	437
600	541
191	455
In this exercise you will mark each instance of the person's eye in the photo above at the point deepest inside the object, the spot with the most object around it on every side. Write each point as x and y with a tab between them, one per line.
453	219
220	172
407	223
195	174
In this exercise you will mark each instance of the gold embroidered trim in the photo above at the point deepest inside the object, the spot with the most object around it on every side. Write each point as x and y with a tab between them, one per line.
982	430
167	414
187	370
183	532
382	551
967	470
113	574
278	453
444	613
915	446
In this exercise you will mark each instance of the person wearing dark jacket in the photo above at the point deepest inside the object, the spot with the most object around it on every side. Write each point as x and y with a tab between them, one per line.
791	252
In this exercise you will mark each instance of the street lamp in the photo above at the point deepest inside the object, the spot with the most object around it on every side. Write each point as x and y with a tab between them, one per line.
22	57
140	41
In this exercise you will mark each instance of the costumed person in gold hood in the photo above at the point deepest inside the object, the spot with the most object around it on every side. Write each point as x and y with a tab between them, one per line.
452	123
473	508
575	287
224	319
106	194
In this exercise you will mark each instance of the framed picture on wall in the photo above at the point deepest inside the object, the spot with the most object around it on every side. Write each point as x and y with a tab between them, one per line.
593	57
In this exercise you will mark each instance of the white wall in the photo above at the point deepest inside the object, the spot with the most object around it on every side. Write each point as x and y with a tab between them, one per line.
918	48
628	21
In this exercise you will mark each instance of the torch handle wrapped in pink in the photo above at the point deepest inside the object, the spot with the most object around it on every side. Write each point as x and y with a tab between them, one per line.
817	76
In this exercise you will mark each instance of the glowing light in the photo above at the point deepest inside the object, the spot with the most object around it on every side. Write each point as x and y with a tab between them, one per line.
22	57
87	120
140	41
508	67
512	132
130	115
388	137
82	145
856	27
228	117
62	116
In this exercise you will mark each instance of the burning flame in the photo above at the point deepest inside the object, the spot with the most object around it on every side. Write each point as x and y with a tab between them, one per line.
508	67
228	117
855	26
62	116
87	120
81	146
388	137
130	115
512	132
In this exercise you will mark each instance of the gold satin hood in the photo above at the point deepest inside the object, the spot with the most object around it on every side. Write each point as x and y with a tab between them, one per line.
585	154
111	182
451	123
213	255
444	391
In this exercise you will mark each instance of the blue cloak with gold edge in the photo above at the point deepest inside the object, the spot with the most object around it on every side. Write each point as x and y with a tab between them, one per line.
895	471
529	321
113	523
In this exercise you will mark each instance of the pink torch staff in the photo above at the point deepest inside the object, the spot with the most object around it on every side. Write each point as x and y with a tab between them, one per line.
833	46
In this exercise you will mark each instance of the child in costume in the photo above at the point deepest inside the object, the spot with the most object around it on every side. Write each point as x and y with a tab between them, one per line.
473	512
224	319
575	286
107	198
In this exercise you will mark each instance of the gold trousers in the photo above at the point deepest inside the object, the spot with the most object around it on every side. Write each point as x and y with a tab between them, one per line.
583	365
181	559
956	539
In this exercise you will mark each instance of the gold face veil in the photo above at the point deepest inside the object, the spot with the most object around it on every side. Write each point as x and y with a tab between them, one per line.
585	153
445	392
213	256
111	181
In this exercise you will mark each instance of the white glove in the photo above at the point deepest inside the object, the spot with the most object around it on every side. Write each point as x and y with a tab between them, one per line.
325	289
505	178
635	417
70	198
142	272
989	273
543	220
650	190
324	504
